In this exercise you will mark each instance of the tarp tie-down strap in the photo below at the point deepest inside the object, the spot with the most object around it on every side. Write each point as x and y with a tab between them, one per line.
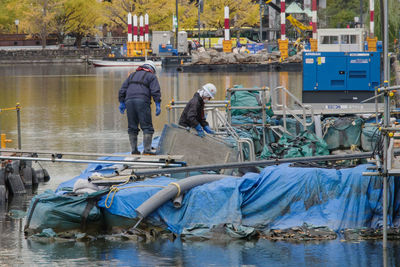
115	188
178	187
90	204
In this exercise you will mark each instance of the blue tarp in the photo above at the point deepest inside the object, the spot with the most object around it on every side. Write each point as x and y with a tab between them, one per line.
279	197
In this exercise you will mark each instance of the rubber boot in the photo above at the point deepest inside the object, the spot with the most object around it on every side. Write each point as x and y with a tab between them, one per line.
133	141
147	139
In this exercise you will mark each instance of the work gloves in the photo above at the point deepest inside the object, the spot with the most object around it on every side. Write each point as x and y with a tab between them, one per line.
208	130
122	107
199	130
158	108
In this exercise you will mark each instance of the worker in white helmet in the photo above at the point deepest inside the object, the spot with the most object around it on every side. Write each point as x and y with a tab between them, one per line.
193	114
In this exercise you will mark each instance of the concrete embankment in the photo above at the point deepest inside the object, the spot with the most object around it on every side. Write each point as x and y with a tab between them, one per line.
63	55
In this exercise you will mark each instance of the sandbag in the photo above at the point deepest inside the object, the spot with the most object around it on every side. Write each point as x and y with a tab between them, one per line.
343	133
369	136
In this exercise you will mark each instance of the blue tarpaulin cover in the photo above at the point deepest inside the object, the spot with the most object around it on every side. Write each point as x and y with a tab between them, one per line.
279	197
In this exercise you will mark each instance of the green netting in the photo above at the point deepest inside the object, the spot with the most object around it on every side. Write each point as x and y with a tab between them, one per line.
369	136
342	132
304	145
295	127
246	127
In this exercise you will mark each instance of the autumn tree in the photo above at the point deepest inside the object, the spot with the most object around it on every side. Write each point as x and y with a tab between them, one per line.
82	18
241	13
7	17
160	13
36	17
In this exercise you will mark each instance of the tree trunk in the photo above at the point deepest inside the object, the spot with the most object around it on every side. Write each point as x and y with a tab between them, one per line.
79	41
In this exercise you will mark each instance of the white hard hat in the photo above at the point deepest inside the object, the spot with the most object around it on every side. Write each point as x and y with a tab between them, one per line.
210	89
150	63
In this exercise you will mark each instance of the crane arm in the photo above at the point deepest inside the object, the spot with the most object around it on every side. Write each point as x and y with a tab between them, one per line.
296	24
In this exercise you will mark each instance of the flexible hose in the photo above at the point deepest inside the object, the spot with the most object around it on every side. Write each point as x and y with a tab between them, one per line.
174	190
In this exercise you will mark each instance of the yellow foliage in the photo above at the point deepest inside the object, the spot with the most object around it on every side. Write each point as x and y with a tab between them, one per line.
84	16
160	13
241	13
37	16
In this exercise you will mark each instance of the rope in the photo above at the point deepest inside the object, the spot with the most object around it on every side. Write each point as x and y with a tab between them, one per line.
178	187
115	188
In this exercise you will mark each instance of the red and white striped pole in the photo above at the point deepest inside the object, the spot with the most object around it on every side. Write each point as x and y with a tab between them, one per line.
226	23
283	20
135	31
371	17
129	27
314	19
146	27
141	39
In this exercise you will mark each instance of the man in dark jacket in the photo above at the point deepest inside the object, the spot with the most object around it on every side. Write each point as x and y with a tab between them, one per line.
193	114
135	96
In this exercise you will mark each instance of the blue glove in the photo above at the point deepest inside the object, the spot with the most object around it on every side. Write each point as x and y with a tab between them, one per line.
122	107
199	130
158	108
208	130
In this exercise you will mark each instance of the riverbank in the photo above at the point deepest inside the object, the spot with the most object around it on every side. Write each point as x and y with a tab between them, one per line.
49	55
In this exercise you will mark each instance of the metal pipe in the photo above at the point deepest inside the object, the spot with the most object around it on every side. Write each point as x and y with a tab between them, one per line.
376	107
390	88
260	3
91	154
386	119
177	25
206	106
18	108
229	111
208	102
264	115
146	164
244	107
245	89
362	155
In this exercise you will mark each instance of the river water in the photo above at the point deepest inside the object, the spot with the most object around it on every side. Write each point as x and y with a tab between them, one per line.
75	108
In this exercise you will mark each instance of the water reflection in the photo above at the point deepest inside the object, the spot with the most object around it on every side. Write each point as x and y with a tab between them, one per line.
207	253
76	107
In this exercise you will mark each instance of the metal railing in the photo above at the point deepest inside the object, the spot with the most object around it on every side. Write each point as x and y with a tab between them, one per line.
262	107
219	122
307	110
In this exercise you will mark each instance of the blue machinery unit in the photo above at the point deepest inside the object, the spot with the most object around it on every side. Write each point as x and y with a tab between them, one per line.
340	77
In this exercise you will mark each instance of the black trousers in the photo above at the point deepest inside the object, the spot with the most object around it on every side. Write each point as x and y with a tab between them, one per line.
139	115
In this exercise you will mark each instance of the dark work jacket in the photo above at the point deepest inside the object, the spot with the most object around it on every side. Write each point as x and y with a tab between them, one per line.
193	114
140	84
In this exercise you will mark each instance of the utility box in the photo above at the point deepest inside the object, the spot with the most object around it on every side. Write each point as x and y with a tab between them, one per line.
182	43
340	77
167	50
161	38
